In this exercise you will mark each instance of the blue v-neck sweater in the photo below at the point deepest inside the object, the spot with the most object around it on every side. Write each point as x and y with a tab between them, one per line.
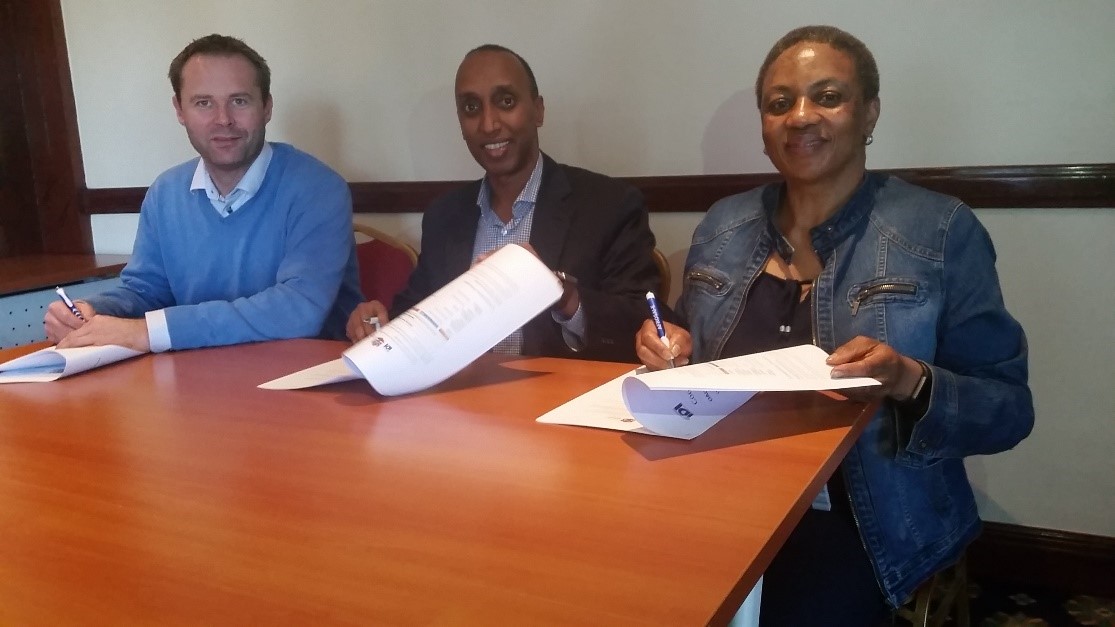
282	266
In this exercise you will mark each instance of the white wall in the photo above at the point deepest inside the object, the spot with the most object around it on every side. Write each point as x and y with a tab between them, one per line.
656	87
633	87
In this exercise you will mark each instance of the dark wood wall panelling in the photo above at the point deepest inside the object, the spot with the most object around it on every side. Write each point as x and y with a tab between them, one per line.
1023	187
1057	560
45	214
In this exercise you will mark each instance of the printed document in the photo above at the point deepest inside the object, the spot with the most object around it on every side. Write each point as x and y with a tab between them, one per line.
685	402
445	332
51	364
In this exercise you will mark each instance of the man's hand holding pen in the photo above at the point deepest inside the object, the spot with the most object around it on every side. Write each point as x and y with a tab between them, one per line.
365	320
60	320
104	330
71	324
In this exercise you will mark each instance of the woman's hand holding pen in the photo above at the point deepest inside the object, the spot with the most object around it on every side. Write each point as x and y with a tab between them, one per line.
654	354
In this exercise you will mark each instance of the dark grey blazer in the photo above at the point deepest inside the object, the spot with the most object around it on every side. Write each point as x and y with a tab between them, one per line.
589	225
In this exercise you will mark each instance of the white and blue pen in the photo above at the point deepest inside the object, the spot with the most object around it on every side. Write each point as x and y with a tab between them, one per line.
371	321
69	303
655	315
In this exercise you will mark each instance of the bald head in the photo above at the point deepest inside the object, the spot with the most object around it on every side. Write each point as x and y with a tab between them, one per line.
522	62
500	111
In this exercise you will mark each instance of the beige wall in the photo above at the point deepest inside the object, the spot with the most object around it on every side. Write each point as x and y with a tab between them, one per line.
655	87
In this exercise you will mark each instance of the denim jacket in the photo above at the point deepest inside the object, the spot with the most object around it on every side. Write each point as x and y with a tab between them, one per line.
916	270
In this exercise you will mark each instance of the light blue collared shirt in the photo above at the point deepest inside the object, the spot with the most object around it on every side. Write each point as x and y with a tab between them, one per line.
244	190
158	335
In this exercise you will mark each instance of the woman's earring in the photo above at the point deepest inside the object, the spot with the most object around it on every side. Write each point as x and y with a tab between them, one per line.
867	140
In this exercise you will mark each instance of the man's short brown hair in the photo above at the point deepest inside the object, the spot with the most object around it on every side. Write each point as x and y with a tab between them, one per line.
221	46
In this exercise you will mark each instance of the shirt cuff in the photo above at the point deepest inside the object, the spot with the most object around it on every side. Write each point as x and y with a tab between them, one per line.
573	328
158	335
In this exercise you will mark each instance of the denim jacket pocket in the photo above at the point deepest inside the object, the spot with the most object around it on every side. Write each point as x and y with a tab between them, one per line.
708	281
887	290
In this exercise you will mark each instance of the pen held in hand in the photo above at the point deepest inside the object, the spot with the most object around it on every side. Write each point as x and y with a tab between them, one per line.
69	303
656	316
372	321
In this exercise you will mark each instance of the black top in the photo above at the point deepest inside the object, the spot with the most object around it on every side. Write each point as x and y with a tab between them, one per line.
776	316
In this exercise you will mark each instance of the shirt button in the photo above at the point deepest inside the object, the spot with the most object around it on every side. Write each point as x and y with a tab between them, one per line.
923	445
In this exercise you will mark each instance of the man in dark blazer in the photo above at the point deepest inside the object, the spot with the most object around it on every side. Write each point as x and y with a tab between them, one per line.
592	228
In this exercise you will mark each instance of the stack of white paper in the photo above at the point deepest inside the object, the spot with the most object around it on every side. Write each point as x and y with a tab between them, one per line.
685	402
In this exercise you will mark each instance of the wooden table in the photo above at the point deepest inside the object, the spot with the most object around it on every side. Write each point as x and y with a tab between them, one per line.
169	490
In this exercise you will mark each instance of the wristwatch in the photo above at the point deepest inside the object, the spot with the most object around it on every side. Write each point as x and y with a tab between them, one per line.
565	277
923	388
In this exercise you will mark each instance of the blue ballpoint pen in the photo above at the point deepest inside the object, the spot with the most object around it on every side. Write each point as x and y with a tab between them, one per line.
652	302
69	303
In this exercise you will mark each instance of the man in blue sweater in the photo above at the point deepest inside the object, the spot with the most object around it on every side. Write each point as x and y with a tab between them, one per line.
250	242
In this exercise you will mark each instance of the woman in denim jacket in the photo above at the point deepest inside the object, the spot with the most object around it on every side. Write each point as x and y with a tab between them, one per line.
899	284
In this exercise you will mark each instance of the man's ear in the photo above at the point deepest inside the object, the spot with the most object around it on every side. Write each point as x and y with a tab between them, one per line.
541	106
177	108
267	109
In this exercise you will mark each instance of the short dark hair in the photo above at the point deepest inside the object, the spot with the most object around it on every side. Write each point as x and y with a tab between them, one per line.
867	73
526	66
222	46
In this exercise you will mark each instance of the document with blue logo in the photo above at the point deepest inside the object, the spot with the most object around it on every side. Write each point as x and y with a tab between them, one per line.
685	402
445	332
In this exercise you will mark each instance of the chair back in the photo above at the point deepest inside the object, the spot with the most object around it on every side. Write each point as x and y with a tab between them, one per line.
385	264
663	265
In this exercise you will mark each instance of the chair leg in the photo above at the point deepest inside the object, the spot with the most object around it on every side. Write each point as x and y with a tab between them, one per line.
946	591
963	619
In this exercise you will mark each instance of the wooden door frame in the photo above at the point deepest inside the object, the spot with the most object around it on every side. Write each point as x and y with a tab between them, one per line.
50	124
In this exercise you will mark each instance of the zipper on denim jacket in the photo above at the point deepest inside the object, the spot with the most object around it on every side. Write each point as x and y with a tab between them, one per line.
859	531
697	275
892	288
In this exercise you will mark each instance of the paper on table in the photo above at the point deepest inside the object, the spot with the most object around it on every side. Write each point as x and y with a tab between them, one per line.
606	407
783	370
334	371
601	407
51	364
448	330
683	414
685	402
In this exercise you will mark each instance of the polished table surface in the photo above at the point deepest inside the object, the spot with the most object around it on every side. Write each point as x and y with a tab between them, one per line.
169	490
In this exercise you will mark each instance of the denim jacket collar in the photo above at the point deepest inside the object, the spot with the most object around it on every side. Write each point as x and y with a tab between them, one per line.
827	235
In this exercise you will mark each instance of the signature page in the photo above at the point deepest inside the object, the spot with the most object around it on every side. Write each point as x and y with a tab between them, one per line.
685	402
334	371
786	369
625	404
51	364
456	324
